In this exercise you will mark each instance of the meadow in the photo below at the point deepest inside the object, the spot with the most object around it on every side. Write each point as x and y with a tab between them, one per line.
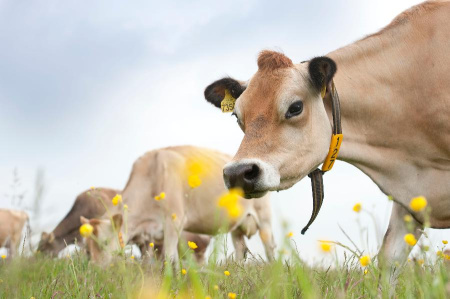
74	276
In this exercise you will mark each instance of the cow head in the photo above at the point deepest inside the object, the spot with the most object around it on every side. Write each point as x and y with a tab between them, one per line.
48	245
282	114
106	239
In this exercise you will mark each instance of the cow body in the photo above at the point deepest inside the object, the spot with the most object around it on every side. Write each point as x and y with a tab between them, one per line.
395	105
11	226
194	209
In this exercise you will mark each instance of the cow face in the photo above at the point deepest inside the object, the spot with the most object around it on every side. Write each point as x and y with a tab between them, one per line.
106	238
281	112
49	245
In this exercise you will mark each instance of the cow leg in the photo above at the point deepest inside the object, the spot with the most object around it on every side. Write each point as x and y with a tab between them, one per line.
394	250
239	244
145	251
170	241
266	235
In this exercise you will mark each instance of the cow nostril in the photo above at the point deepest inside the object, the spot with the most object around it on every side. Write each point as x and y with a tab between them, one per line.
252	173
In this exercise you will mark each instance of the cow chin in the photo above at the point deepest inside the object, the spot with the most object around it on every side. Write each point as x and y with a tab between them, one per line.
256	194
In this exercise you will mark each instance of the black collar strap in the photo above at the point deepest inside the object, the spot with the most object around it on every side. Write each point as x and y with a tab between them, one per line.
336	140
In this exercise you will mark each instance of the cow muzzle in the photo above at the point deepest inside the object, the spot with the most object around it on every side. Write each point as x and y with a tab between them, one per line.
253	176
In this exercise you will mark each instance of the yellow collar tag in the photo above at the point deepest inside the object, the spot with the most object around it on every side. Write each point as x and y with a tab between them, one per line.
335	145
227	103
323	91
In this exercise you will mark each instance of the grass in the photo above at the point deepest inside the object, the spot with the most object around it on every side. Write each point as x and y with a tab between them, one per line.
76	277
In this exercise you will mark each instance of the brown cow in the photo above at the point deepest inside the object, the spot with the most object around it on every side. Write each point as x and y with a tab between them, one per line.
90	204
107	241
395	106
11	226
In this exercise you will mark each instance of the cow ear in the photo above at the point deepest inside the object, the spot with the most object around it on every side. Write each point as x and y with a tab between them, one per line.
215	92
321	71
51	237
117	220
44	236
84	220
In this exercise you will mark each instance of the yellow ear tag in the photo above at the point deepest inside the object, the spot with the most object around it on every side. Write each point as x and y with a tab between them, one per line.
323	91
335	145
227	103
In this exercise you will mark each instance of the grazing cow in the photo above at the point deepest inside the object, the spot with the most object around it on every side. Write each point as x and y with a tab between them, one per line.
108	240
395	105
88	204
157	218
11	226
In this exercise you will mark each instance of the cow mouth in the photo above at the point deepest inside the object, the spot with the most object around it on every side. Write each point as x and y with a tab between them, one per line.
255	194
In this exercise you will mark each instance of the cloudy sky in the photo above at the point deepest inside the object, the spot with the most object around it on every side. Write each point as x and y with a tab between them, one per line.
86	88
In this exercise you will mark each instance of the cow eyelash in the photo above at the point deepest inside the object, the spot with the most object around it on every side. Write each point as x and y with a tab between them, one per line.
237	119
235	115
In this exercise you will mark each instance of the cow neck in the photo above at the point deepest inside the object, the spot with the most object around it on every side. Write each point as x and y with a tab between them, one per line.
316	176
361	66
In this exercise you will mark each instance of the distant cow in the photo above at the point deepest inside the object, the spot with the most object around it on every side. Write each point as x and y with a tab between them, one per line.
91	204
88	204
108	240
11	226
191	179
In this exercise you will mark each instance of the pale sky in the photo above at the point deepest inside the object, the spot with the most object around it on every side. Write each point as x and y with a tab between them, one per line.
86	88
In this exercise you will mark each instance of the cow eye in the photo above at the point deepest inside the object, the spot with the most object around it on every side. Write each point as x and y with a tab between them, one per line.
295	109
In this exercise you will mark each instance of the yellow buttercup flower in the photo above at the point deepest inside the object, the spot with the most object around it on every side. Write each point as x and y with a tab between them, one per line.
174	216
357	207
227	273
117	199
230	202
3	256
290	234
216	287
364	260
232	295
445	242
192	245
407	218
326	246
410	239
183	271
132	257
208	297
194	181
161	196
195	166
151	245
417	204
86	230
